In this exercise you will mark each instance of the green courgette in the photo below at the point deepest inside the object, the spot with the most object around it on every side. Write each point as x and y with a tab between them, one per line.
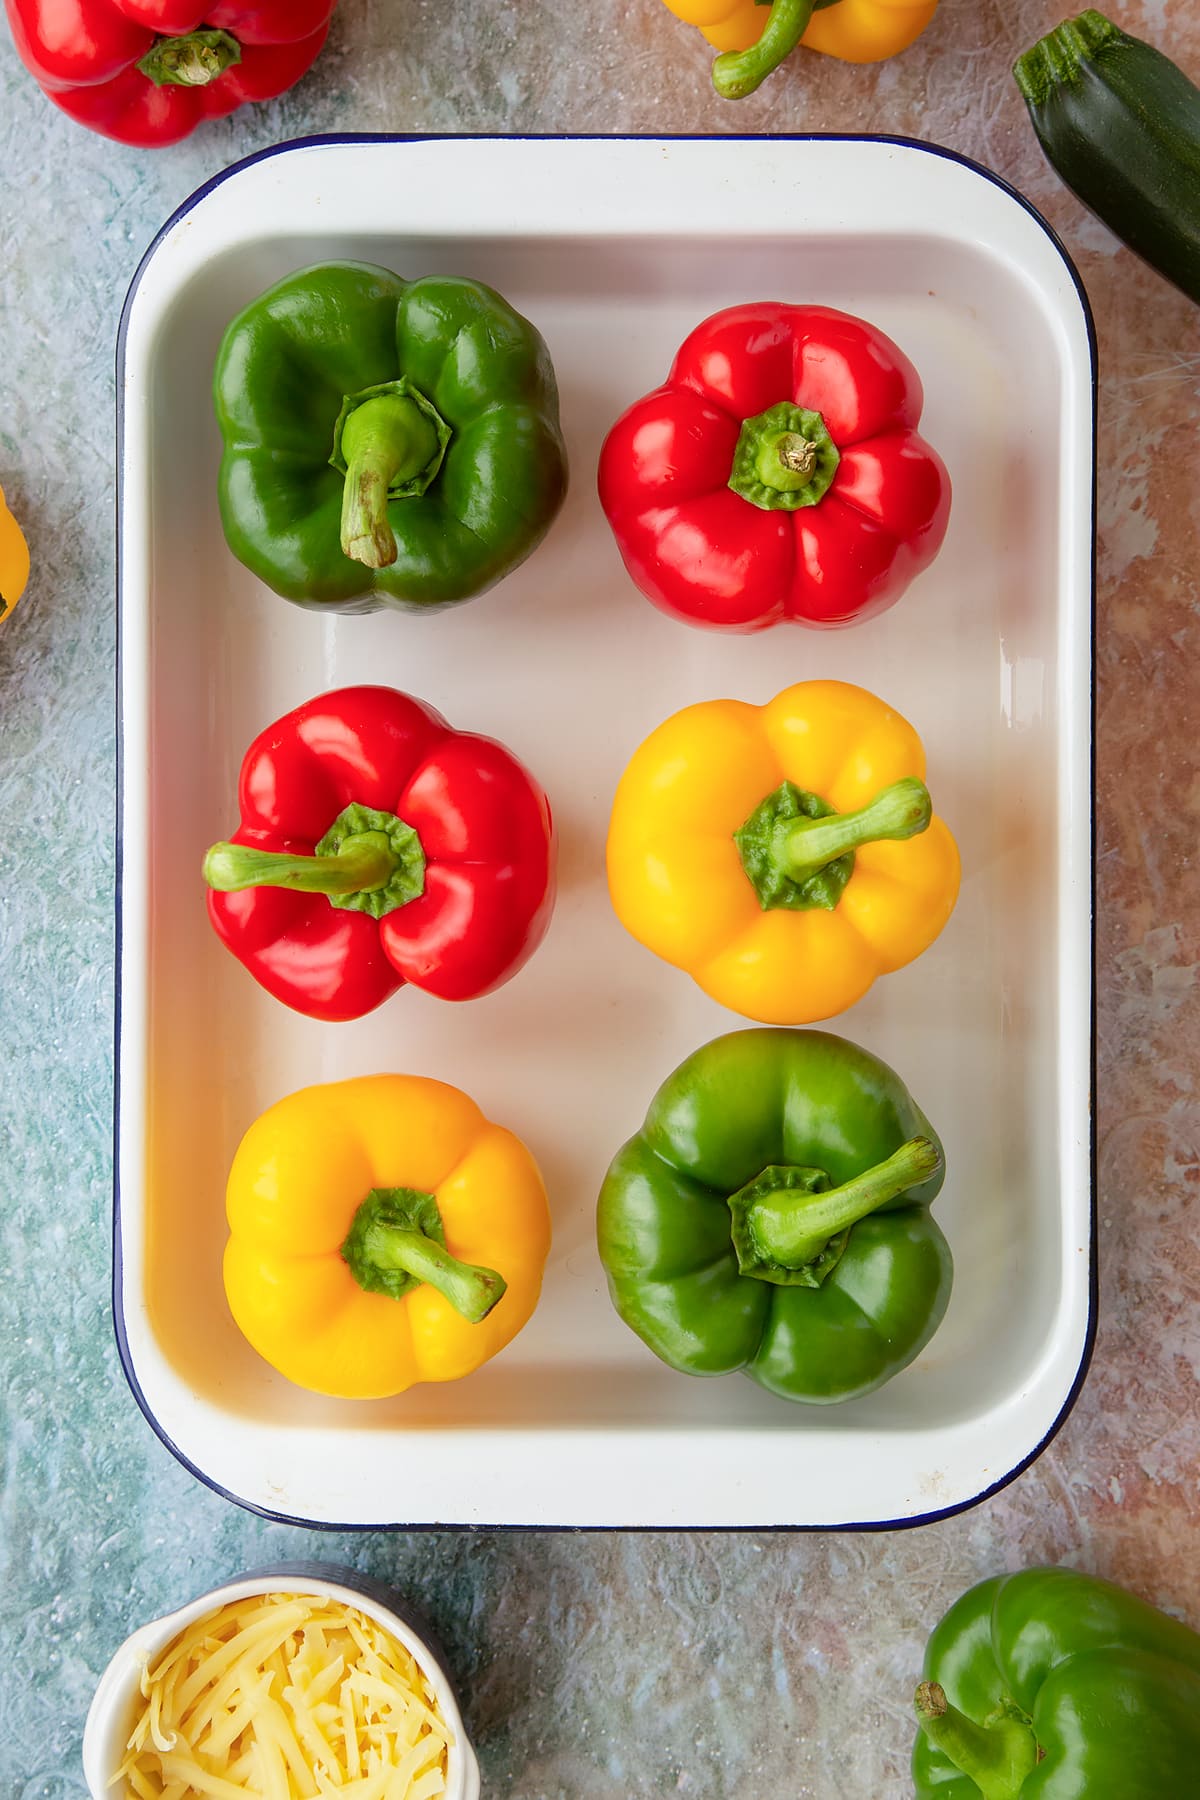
1120	122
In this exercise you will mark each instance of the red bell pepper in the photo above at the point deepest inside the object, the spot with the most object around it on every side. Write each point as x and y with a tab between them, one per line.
778	474
377	846
147	72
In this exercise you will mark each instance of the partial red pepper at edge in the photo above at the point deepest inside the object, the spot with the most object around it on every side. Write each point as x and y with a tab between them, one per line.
777	474
147	72
379	846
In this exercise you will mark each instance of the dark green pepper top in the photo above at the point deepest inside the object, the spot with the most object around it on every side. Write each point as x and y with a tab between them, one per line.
1053	1685
386	441
772	1216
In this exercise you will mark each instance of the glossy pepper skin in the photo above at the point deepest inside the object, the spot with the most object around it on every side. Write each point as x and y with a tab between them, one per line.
383	1232
755	41
785	855
147	72
386	442
1054	1685
778	474
14	561
377	845
772	1215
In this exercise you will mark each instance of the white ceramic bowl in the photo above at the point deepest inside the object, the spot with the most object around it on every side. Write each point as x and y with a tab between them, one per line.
106	1730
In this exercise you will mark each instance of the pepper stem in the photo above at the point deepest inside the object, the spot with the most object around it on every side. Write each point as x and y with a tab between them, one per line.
363	864
805	846
470	1289
787	462
396	1241
784	458
385	442
738	72
782	1225
368	861
388	443
997	1756
193	60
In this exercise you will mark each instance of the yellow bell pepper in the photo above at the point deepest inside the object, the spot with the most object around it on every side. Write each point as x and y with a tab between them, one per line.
783	855
14	561
382	1232
754	41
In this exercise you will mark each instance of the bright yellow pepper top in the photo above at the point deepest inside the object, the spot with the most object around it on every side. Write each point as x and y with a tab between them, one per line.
838	871
858	31
14	561
357	1180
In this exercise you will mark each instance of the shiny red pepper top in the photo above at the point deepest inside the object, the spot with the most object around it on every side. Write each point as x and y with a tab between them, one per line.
777	474
147	72
431	853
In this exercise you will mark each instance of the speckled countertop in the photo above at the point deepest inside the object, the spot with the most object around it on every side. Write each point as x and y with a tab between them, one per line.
606	1667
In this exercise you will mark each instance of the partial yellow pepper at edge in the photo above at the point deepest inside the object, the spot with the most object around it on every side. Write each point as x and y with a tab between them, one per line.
14	561
755	40
784	855
383	1232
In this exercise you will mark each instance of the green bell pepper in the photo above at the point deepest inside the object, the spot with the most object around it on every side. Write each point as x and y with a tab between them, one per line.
386	442
1052	1685
772	1216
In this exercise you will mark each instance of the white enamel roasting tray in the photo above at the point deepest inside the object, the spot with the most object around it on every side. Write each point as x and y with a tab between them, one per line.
616	249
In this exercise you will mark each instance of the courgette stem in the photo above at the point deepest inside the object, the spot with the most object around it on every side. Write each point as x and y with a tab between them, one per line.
1060	55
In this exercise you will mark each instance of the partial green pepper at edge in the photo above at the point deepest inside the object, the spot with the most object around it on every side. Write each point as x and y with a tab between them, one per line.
772	1216
1054	1685
385	441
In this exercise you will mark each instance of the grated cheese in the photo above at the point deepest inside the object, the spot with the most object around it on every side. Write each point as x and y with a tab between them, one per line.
281	1697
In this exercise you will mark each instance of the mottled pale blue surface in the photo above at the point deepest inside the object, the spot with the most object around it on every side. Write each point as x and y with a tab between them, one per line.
598	1667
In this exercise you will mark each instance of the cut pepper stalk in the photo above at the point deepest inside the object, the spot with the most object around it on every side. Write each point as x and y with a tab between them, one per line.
997	1755
389	442
738	72
798	853
368	861
788	1221
396	1241
784	458
193	60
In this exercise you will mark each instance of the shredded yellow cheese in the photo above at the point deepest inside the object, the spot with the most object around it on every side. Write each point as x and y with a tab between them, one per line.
281	1697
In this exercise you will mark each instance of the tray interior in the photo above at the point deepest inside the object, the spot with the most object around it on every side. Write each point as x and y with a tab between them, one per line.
567	664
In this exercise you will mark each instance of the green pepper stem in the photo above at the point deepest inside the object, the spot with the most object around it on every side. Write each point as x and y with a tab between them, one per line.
193	60
361	866
385	441
738	72
471	1289
805	846
784	458
786	461
791	1228
396	1241
368	861
1058	58
997	1757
